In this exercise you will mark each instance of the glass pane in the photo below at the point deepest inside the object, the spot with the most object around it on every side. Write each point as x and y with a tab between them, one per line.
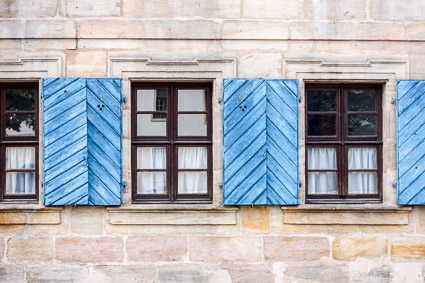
20	99
148	125
361	100
151	158
192	158
192	100
321	100
361	125
362	158
20	124
362	183
322	183
151	100
321	158
151	182
192	125
192	183
20	157
321	125
20	182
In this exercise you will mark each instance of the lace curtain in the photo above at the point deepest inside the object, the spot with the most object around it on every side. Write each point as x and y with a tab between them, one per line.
20	158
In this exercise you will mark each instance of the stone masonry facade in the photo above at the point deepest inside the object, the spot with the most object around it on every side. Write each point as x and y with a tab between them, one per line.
378	41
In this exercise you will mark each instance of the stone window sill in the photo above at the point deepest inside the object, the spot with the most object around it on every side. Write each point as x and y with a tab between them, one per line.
172	215
346	215
22	214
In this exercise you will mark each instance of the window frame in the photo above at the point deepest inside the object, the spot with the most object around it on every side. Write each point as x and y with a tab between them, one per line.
171	141
342	142
25	141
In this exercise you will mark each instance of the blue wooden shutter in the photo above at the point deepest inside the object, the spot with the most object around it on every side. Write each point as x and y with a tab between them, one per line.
411	142
260	142
82	138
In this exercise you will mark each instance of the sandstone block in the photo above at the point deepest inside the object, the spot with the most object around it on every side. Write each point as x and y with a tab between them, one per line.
350	248
11	29
151	8
12	273
415	31
255	219
196	29
379	31
127	273
11	229
87	220
23	9
267	65
418	210
278	248
233	29
46	217
225	249
94	8
408	249
56	273
52	229
1	249
378	274
211	8
32	249
156	248
110	29
273	9
393	10
250	272
89	249
50	29
86	64
316	272
334	10
185	273
320	30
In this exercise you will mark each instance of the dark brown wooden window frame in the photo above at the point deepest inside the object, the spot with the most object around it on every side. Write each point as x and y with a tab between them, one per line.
171	142
342	142
13	141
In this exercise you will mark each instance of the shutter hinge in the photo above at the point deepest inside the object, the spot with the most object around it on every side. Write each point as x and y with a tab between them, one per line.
300	184
220	185
124	99
124	184
394	184
220	100
41	183
300	98
393	100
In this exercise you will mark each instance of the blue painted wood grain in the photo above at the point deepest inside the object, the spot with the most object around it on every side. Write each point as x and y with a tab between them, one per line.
82	141
260	142
411	142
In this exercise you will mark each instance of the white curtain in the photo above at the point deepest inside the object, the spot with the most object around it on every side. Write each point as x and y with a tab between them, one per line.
192	182
151	158
322	182
362	182
20	158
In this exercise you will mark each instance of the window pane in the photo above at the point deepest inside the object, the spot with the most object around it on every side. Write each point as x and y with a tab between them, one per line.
20	182
20	124
321	125
192	158
151	182
321	100
362	158
321	158
192	125
361	100
192	100
20	157
322	183
151	100
151	158
148	125
20	99
361	125
192	183
362	183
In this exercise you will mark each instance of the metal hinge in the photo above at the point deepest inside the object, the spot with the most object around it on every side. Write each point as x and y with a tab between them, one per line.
124	99
393	100
220	184
124	184
300	184
220	100
300	99
394	184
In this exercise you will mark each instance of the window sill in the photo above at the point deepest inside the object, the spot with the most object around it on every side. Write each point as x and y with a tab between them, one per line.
23	214
172	215
346	215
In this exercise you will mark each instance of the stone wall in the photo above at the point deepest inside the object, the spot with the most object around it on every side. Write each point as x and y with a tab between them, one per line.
376	41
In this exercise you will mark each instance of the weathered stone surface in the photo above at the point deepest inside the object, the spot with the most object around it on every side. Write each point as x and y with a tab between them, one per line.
1	249
195	29
56	273
382	274
28	9
334	10
94	8
156	248
320	30
211	9
50	29
225	249
393	10
255	219
250	272
47	217
87	220
379	31
11	29
349	248
278	248
151	8
32	249
86	64
52	229
110	29
185	273
415	31
89	249
267	65
418	210
13	217
12	273
408	249
273	9
11	229
233	29
127	273
321	271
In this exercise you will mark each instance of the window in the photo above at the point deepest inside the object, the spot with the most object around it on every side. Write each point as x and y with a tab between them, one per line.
171	142
343	143
19	141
